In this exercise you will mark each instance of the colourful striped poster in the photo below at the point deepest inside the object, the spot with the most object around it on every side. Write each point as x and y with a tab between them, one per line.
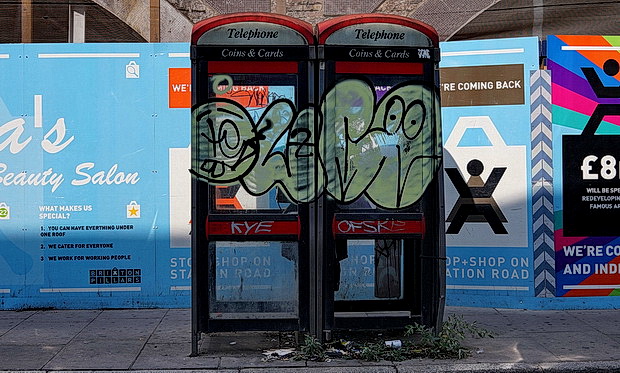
586	132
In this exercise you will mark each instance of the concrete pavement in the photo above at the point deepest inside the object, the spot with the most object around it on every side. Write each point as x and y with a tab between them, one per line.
160	340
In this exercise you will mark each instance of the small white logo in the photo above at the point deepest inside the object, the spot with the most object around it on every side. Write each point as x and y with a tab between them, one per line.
132	70
424	53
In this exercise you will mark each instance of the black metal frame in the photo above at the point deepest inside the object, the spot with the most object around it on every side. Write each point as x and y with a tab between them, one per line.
423	256
318	312
204	209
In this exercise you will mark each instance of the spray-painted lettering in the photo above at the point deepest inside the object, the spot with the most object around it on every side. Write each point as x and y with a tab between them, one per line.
249	227
388	151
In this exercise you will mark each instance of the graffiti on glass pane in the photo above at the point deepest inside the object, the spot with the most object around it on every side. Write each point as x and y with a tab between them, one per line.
352	145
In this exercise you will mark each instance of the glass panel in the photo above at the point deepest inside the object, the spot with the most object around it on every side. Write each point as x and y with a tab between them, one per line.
255	277
382	146
373	270
255	146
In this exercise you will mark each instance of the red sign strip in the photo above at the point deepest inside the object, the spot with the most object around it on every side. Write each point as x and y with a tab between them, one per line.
252	67
253	228
387	68
378	227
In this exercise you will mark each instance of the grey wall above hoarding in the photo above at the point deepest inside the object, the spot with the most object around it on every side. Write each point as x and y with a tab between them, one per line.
454	20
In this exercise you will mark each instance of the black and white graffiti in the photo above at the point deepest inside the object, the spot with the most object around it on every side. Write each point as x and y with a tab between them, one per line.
354	145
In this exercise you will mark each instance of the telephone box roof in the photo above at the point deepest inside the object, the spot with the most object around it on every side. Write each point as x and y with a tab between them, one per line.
302	27
328	27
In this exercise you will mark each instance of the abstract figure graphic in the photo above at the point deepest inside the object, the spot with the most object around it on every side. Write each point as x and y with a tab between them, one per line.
475	203
611	68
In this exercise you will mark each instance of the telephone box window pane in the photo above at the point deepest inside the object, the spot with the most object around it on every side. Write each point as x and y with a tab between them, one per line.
373	270
255	111
256	277
401	153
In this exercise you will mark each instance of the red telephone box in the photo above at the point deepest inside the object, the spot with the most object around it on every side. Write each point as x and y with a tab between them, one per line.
250	152
303	153
382	137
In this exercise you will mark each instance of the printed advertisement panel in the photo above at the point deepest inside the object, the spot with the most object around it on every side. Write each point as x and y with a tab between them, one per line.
586	120
85	144
172	160
17	264
486	129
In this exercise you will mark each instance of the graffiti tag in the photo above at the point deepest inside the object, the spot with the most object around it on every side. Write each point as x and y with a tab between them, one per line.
387	151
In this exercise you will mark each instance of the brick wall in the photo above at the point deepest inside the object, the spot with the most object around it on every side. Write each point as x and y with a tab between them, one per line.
195	10
312	11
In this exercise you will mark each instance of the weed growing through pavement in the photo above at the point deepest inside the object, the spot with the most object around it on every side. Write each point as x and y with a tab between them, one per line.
417	341
312	349
447	344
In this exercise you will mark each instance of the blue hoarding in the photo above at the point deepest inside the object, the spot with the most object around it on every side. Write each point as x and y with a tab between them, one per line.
87	140
95	190
486	129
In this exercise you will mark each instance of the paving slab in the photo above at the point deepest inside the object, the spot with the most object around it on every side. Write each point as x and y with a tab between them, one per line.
179	314
582	346
62	316
111	354
16	315
24	357
172	356
125	314
238	344
508	350
142	341
604	321
472	311
31	332
119	329
8	324
615	337
172	330
488	318
524	322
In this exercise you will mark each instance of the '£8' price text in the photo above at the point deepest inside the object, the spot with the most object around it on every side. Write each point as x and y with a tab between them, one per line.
608	169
